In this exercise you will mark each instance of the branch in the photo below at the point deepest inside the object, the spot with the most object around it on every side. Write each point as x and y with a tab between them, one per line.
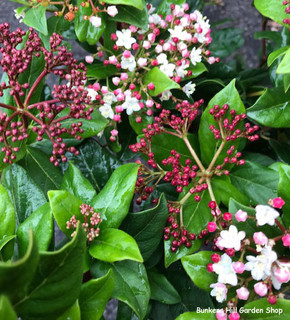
193	153
36	83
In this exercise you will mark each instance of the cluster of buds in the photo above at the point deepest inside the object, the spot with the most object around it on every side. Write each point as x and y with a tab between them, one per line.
50	119
91	223
286	3
174	43
268	272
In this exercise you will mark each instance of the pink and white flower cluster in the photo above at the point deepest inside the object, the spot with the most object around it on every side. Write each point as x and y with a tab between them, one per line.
250	259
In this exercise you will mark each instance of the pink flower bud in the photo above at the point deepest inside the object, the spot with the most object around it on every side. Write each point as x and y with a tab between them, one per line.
239	267
116	80
185	6
227	216
119	109
211	226
151	86
234	316
282	275
221	315
260	238
158	48
163	24
149	112
241	215
211	60
169	18
124	76
261	289
112	11
126	54
138	119
278	203
117	117
286	240
89	59
120	97
133	28
149	103
96	86
114	133
104	90
151	37
146	45
243	293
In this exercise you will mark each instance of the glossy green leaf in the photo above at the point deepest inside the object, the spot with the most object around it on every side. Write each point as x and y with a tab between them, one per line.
196	70
6	309
84	29
146	227
73	313
57	282
161	289
7	225
284	67
257	182
125	312
41	170
25	194
138	127
41	223
15	276
272	9
131	283
279	311
281	149
276	54
114	199
94	296
195	266
133	3
95	162
286	81
196	316
63	206
131	15
284	191
208	144
115	245
100	71
76	184
35	18
161	81
4	241
272	108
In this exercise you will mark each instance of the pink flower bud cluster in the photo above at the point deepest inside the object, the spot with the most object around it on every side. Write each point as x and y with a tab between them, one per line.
50	119
286	3
91	222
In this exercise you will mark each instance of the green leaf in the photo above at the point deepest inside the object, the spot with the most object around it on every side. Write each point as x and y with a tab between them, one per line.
279	311
164	7
95	295
85	31
41	170
95	162
161	289
272	109
25	194
7	225
115	245
73	313
131	283
41	223
196	316
160	80
35	18
76	184
276	54
257	182
100	71
133	3
57	282
138	127
131	15
147	227
272	9
195	266
284	191
196	70
284	65
63	206
208	144
281	149
114	200
6	310
4	241
286	80
125	312
15	276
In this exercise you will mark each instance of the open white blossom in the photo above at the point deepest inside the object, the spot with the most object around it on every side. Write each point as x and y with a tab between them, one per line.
131	104
155	18
224	269
181	70
219	291
109	98
128	63
91	93
165	95
162	58
266	215
124	38
260	266
168	69
96	21
107	111
232	238
195	56
178	32
189	88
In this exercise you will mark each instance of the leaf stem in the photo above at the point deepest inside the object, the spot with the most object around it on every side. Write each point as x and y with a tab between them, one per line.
193	153
35	84
216	156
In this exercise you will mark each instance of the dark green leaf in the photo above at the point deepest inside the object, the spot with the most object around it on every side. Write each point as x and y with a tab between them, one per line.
284	191
73	313
6	310
281	149
100	71
35	18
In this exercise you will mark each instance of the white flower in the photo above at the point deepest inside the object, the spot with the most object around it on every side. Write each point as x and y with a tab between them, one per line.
96	21
266	215
178	32
281	265
142	62
189	88
260	266
128	63
178	11
124	38
168	69
20	16
107	111
91	93
109	98
224	269
165	95
232	238
219	291
181	70
195	56
151	10
131	105
112	11
155	18
162	58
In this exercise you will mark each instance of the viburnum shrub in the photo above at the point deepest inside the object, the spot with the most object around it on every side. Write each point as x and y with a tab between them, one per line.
153	169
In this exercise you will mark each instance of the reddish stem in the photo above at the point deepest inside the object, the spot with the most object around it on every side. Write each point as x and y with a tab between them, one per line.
35	84
280	226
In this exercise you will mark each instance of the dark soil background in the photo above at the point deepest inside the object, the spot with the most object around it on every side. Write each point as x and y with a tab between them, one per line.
243	15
